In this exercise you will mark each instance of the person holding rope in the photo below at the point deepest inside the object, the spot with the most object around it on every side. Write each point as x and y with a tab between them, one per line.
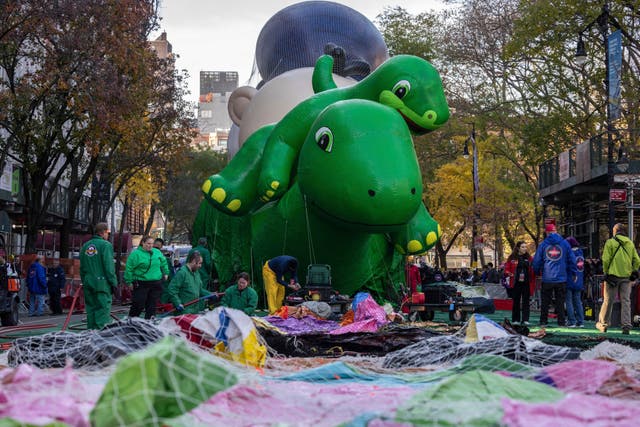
275	273
619	260
145	270
240	296
187	285
98	277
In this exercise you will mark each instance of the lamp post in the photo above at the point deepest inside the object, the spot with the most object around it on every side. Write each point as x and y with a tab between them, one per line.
603	21
476	187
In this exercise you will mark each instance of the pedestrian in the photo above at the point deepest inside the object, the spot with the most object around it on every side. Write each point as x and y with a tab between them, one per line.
555	262
186	286
518	270
619	260
55	283
98	277
278	273
240	296
145	271
37	285
492	274
575	310
158	243
205	271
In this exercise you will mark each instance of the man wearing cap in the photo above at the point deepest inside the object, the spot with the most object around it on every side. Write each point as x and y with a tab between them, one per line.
555	262
619	260
98	277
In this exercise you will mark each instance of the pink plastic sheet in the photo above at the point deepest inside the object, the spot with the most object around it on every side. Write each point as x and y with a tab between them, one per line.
298	403
368	317
36	396
584	376
576	410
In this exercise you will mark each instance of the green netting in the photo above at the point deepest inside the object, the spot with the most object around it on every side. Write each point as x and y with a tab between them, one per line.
161	382
471	399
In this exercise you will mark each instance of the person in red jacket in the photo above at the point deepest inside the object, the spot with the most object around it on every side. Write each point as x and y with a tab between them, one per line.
519	272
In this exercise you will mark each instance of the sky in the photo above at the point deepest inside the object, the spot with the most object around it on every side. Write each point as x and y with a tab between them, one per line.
220	35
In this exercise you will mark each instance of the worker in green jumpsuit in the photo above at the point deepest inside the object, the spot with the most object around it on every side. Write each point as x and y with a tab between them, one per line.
186	286
240	296
205	270
98	277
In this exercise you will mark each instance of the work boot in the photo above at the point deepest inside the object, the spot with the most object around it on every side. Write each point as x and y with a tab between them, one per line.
602	328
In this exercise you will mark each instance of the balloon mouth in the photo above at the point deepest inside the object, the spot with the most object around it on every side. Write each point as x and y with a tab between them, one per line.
429	117
361	225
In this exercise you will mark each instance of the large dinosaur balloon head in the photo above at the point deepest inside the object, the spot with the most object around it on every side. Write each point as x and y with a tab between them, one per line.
413	87
358	166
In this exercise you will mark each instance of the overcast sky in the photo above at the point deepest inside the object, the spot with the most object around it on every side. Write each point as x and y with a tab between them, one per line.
220	35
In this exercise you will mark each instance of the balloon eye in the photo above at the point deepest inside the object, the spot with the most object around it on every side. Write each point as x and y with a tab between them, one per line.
324	139
401	89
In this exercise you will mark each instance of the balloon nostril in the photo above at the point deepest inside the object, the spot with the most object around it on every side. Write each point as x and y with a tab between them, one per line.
372	193
413	190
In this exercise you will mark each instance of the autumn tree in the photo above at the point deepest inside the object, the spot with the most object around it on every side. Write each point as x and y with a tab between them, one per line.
179	198
70	68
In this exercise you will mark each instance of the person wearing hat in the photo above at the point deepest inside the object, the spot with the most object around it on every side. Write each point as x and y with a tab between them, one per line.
575	311
619	260
555	262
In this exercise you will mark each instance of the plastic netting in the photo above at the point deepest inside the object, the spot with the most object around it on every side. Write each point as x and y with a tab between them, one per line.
88	349
181	375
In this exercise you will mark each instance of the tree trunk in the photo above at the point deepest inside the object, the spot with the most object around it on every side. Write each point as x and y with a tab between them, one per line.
149	224
441	256
118	252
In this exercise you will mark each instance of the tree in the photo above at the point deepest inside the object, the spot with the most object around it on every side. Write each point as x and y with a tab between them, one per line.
179	201
408	34
69	66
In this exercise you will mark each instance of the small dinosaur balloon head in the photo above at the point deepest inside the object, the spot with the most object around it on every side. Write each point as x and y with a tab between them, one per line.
412	86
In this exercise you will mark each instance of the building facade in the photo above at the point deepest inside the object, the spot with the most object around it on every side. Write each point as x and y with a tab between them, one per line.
215	89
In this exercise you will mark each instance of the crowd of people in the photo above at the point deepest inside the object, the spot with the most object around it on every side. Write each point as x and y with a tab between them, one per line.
557	269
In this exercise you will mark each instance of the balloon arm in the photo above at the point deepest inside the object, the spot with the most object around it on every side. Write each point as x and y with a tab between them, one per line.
322	78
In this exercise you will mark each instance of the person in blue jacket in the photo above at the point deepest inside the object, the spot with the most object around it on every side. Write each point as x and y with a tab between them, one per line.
575	311
555	262
37	285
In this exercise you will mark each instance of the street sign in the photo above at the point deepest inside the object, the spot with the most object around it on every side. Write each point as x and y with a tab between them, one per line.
627	177
617	195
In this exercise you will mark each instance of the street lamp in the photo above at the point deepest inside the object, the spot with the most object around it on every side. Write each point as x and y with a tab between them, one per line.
580	58
476	188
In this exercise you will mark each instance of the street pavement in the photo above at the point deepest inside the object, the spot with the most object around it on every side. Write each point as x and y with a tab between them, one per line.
57	321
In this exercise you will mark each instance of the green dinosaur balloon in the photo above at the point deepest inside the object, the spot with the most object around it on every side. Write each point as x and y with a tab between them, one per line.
355	197
407	84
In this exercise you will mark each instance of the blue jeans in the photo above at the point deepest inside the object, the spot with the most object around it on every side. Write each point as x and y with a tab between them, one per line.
575	311
36	300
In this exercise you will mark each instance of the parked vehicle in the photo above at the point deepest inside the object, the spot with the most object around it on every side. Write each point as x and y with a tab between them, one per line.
9	300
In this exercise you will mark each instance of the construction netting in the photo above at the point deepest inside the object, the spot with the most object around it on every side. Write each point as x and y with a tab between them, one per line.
220	368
